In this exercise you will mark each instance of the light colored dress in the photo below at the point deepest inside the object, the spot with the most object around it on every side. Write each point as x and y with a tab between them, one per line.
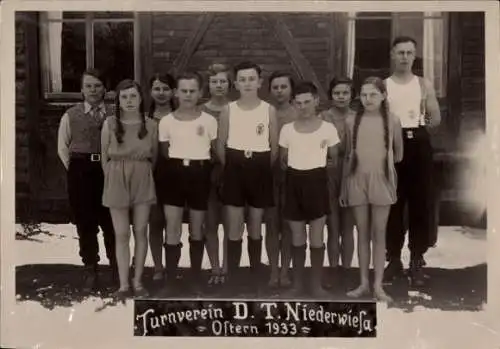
128	175
371	184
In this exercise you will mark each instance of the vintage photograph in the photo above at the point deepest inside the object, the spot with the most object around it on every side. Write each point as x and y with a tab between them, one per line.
315	156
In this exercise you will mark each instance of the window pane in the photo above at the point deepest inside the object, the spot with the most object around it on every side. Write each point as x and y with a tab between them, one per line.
114	51
73	15
108	14
72	56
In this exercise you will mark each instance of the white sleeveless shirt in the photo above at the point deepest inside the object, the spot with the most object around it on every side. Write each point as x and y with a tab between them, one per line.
249	129
404	101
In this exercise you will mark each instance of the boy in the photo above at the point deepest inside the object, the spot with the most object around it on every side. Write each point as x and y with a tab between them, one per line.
247	147
304	147
79	148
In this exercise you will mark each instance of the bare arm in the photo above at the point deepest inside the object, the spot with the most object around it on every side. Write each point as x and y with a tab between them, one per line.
432	105
283	157
63	140
273	134
105	141
222	135
398	140
154	145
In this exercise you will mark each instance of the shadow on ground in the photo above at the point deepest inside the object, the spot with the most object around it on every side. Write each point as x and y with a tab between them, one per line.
57	285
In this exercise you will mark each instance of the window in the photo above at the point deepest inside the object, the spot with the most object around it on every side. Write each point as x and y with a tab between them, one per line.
370	35
71	42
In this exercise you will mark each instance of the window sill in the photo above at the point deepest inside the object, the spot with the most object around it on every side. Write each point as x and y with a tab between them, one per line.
72	97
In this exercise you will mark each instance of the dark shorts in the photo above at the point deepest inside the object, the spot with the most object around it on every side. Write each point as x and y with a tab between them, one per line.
186	184
248	180
306	194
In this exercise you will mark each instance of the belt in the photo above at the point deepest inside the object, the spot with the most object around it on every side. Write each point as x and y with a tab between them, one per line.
93	157
410	132
249	154
189	162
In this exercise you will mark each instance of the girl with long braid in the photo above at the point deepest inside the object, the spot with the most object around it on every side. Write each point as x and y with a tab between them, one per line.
162	103
372	144
129	144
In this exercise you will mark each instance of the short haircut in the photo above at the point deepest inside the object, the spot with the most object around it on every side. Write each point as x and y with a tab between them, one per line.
94	73
403	39
247	65
342	80
189	76
282	74
217	68
305	87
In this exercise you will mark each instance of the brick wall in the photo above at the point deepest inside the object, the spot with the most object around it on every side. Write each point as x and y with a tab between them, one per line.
22	151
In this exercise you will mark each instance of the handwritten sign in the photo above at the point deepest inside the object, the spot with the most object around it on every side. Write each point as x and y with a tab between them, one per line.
241	318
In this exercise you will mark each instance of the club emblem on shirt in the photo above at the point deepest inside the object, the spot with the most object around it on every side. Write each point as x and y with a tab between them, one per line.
260	129
200	130
412	114
323	144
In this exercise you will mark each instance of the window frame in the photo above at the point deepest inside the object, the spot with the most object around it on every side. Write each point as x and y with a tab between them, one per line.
352	17
89	19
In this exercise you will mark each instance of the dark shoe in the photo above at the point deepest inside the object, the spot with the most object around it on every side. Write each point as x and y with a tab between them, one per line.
89	278
393	271
416	273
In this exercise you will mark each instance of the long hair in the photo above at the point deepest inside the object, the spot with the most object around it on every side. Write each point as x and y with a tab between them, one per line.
119	131
166	79
379	85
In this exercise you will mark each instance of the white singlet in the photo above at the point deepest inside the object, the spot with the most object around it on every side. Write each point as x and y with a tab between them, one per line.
249	129
404	101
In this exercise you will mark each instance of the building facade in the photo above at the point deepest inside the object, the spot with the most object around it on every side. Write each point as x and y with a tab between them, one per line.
53	49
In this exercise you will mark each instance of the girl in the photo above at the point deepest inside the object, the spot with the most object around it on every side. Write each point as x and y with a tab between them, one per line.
186	137
278	237
372	145
161	90
218	86
129	149
339	222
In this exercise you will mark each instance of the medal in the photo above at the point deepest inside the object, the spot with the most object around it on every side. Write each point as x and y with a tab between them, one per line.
260	129
323	144
200	130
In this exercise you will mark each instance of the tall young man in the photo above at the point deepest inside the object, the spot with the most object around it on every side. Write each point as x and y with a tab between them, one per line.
413	100
247	147
79	148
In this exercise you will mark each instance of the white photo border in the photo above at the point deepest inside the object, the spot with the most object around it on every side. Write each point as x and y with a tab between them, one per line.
11	322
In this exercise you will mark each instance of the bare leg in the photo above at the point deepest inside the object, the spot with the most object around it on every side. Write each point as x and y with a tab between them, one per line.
156	239
379	215
362	218
333	244
272	244
121	225
347	236
141	217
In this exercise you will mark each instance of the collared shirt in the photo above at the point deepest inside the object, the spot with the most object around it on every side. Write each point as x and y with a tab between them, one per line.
64	132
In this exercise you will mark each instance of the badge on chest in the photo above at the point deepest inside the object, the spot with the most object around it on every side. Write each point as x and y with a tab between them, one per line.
260	129
200	130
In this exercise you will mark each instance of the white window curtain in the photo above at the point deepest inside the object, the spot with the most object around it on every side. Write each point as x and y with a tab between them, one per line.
351	43
434	50
51	46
